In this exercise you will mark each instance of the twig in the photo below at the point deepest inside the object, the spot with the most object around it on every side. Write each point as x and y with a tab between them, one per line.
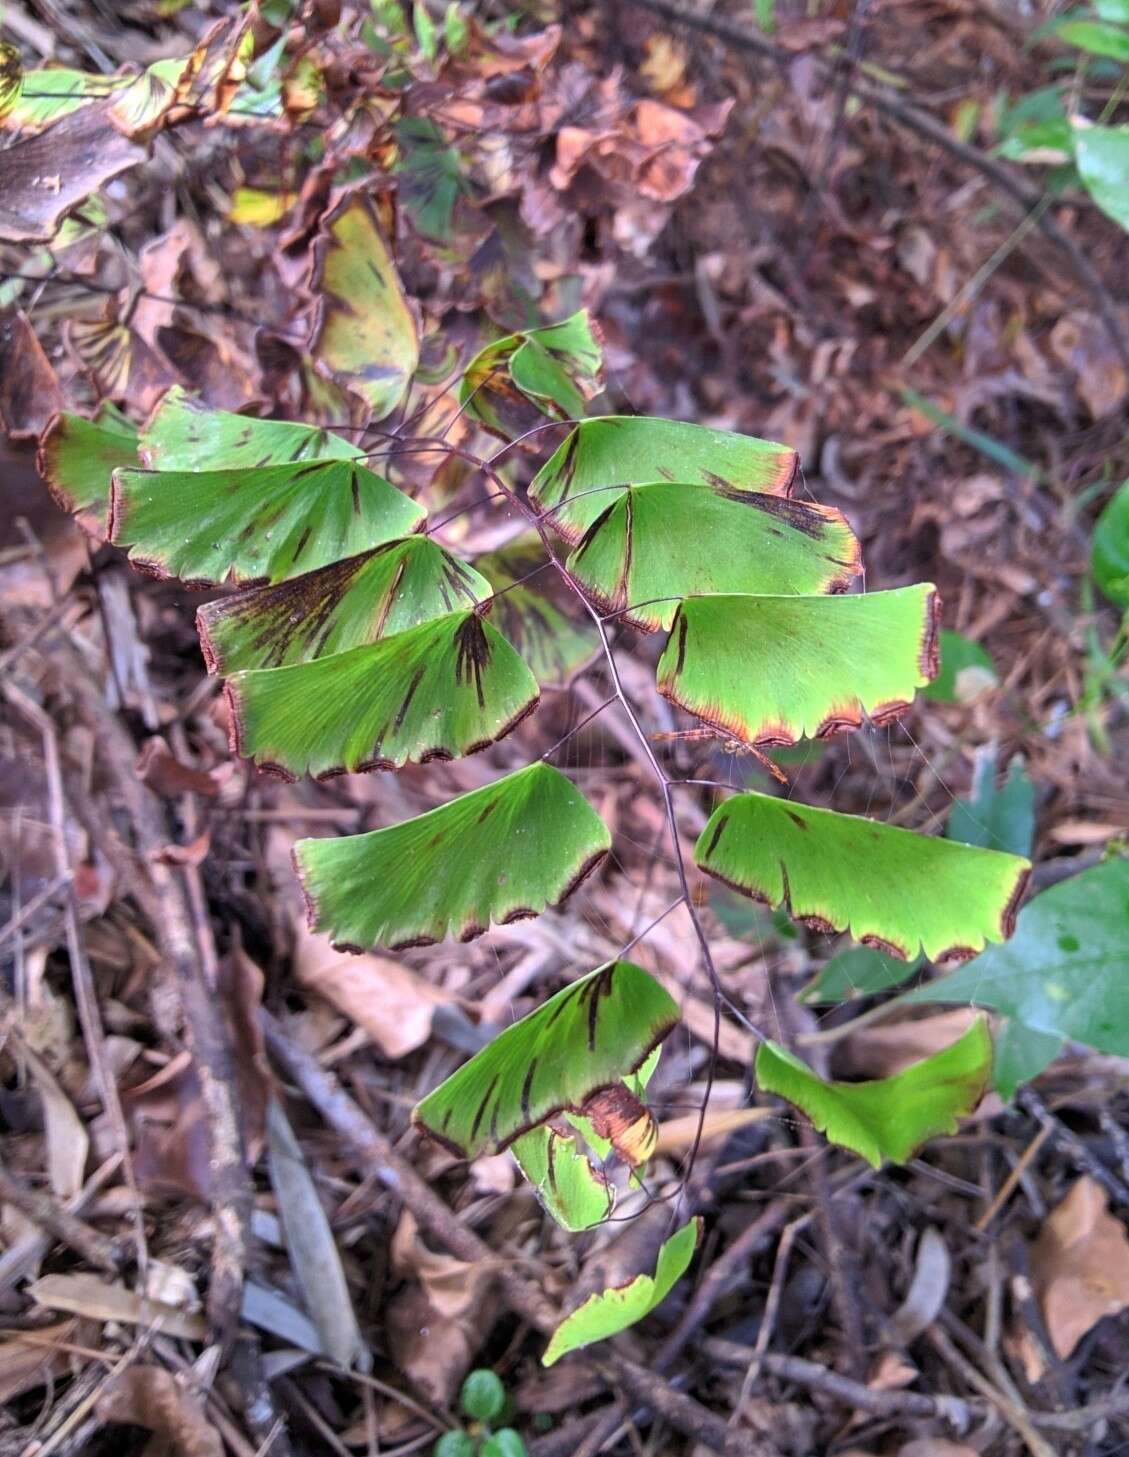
809	1374
56	1219
162	894
1016	1417
1008	1185
1031	1103
86	999
926	126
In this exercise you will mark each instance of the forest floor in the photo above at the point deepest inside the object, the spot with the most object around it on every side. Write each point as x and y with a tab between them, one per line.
818	257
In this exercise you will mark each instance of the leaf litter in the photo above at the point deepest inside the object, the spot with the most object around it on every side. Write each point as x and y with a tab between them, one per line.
761	259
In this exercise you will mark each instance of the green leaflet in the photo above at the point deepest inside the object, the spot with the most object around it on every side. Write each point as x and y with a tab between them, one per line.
581	1040
42	97
614	1310
271	521
893	889
350	602
553	640
889	1118
1095	36
772	670
1102	156
659	542
184	434
1065	970
555	370
498	854
571	1189
446	688
77	458
364	329
605	454
573	1192
1110	559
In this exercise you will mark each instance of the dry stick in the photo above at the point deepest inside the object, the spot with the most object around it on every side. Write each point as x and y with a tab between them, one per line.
1031	1103
1008	1185
380	1160
1018	1418
933	131
94	1248
951	1409
86	999
29	908
163	895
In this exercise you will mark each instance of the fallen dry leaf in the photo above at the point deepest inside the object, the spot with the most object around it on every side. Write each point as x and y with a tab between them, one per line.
388	1000
30	392
439	1320
47	175
150	1397
30	1359
94	1298
1080	1265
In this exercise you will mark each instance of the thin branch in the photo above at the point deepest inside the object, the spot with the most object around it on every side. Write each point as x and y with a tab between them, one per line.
57	1220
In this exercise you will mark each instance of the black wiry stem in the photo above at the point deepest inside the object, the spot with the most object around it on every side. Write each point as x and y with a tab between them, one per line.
666	784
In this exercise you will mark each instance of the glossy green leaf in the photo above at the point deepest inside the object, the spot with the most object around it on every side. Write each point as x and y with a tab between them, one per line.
547	625
998	819
555	370
572	1190
602	456
184	434
966	670
772	670
589	1035
77	457
622	1306
658	543
1110	559
350	602
364	331
859	971
501	853
894	889
446	688
263	522
1102	157
889	1118
1065	970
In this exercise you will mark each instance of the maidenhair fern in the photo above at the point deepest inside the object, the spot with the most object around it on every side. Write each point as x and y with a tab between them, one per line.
357	641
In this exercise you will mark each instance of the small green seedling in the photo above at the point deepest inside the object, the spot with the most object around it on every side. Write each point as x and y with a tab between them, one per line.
483	1401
